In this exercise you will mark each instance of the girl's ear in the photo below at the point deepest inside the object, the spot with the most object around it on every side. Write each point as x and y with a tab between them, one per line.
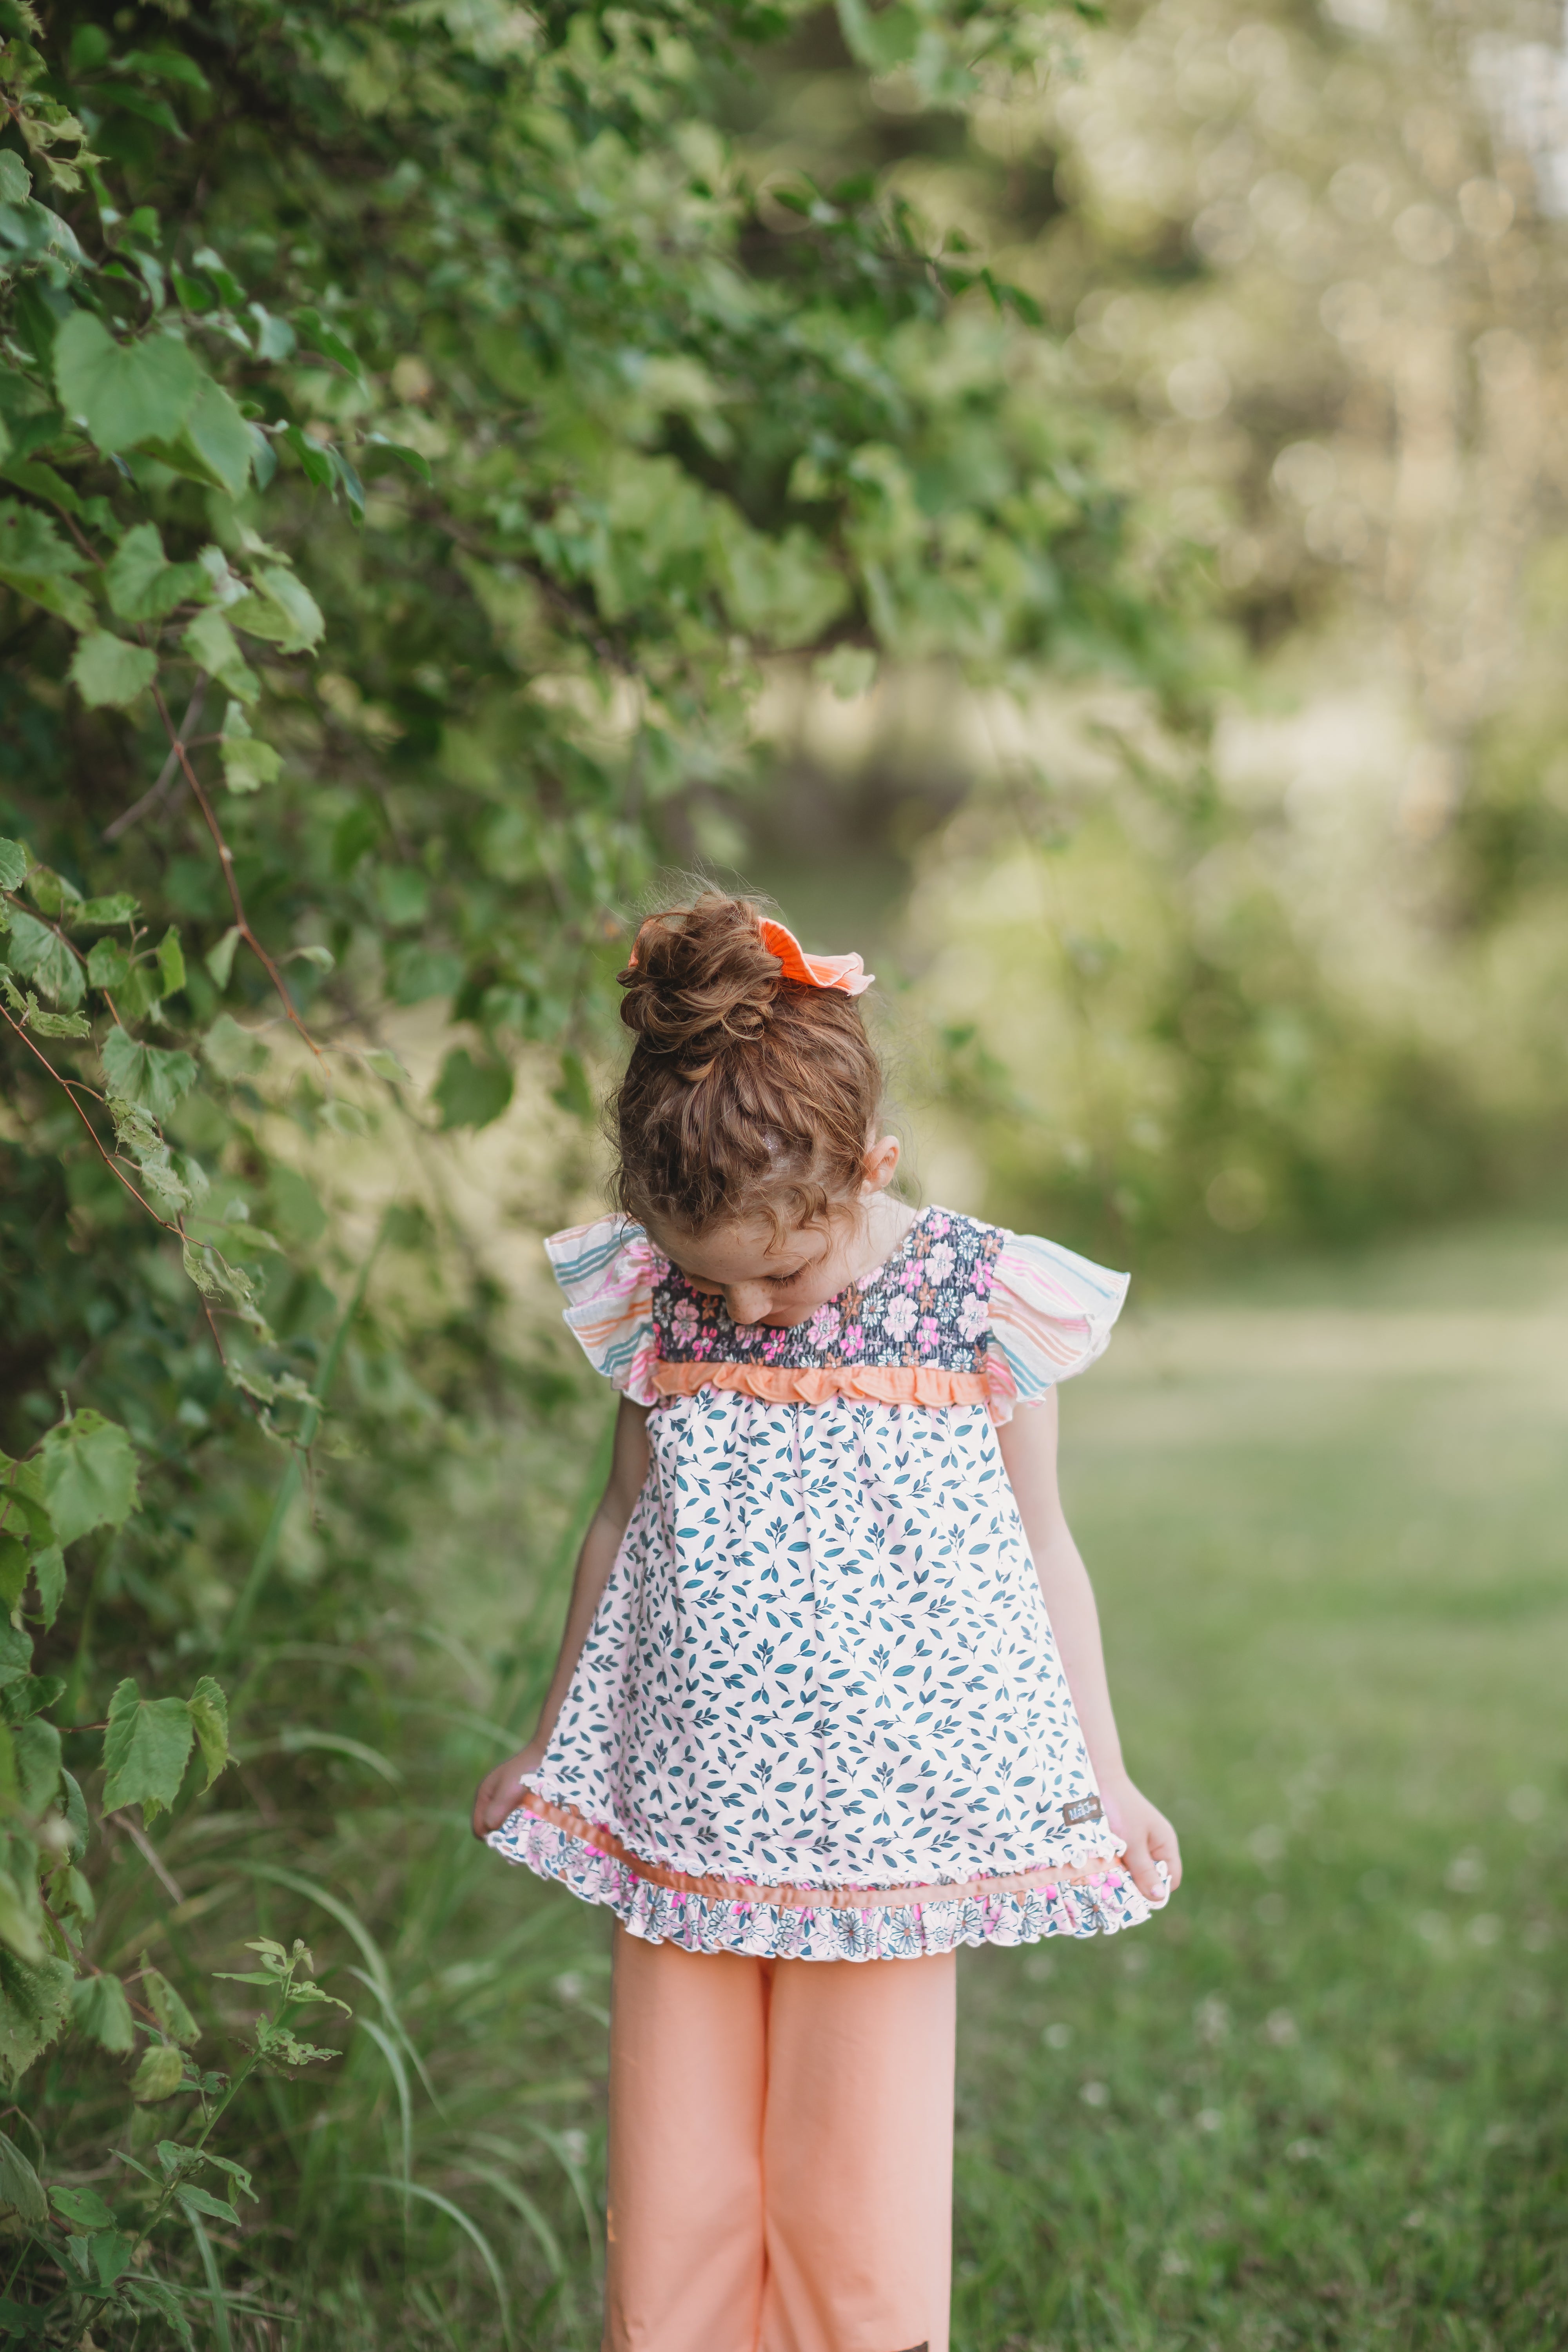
881	1163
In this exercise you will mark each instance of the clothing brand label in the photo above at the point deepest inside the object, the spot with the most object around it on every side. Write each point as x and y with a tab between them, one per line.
1082	1809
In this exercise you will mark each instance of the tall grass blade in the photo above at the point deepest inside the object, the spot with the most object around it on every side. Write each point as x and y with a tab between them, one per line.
522	2202
214	2285
469	2228
399	2074
495	2145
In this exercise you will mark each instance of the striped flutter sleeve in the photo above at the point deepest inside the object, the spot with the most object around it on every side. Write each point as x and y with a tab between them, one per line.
607	1270
1051	1313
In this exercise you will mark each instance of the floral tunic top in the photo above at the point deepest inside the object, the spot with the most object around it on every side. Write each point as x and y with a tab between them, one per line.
819	1714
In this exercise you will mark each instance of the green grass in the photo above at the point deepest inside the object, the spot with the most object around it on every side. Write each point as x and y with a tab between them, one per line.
1322	2102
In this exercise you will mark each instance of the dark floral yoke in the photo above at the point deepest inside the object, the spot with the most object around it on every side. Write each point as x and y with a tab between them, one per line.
929	1304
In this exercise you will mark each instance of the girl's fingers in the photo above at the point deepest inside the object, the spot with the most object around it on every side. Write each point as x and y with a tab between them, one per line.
1164	1847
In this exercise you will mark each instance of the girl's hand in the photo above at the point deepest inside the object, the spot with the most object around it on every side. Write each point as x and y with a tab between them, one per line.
1149	1835
500	1791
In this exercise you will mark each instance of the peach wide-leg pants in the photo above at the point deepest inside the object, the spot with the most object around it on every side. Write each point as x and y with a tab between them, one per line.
781	2153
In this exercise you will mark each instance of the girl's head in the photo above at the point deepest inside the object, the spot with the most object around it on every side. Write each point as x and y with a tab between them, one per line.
748	1118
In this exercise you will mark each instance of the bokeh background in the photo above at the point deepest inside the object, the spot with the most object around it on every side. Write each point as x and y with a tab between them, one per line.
1157	672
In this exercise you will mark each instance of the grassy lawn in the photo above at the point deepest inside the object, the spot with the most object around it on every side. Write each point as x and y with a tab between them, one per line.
1322	2103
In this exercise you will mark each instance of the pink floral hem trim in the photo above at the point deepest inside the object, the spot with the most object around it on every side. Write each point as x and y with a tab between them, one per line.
880	1931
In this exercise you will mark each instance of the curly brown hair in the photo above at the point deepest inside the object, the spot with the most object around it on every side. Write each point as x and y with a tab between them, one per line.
747	1094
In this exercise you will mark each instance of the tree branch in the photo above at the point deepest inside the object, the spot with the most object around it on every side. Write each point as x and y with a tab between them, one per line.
65	1086
226	855
149	800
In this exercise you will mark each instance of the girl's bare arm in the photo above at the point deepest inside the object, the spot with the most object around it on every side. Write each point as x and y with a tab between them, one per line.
1029	1451
499	1791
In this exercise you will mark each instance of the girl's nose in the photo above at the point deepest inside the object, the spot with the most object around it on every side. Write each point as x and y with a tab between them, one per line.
748	1302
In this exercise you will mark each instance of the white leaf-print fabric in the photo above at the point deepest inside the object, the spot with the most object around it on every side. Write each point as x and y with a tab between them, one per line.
820	1712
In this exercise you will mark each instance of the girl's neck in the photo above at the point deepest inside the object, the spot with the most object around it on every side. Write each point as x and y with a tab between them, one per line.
885	1227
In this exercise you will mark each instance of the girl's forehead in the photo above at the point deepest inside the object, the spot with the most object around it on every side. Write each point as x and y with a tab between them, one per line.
748	1249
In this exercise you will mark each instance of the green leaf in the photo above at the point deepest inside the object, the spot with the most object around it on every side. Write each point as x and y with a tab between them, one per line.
160	2075
29	1697
49	1576
52	893
147	1075
199	2200
110	2256
165	65
100	2012
85	2207
89	1475
383	453
37	954
21	1929
849	670
280	609
332	345
146	1750
34	1997
13	864
120	907
143	584
209	1714
21	2190
155	2295
107	965
38	563
16	1654
38	1752
219	959
59	1025
231	1050
109	672
249	763
124	392
76	1811
170	959
15	1560
575	1093
212	644
318	466
214	445
16	181
168	2008
470	1093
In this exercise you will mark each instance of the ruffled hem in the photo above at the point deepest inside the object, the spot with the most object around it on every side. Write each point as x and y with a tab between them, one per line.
923	1384
878	1929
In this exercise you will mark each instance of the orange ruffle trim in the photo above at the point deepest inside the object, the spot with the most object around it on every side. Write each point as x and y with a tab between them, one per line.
806	1899
927	1384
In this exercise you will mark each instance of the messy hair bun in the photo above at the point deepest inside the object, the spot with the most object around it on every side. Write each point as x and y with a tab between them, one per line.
701	979
747	1093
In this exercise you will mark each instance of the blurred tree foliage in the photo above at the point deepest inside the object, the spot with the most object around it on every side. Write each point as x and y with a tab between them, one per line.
417	436
1309	265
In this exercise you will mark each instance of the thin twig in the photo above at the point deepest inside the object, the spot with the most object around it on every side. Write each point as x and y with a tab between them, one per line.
150	1855
226	855
128	817
66	1084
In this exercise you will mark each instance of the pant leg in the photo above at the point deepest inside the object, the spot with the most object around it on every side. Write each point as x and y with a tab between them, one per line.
858	2156
688	2059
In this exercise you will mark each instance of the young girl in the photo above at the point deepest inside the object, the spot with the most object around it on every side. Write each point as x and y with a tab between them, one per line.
830	1701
